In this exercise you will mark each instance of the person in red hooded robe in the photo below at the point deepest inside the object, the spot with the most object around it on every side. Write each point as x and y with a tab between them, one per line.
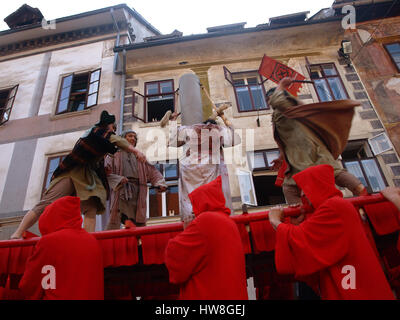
330	245
67	262
207	258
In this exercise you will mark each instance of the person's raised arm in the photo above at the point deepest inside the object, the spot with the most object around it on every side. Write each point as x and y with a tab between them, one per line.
126	146
393	195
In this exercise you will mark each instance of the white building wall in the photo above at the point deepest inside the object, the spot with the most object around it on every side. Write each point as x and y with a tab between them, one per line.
25	73
6	151
77	59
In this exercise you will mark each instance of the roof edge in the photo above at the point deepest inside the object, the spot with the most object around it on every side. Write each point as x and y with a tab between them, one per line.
132	11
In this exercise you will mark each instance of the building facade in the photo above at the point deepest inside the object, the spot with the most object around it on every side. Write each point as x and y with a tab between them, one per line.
60	76
226	60
376	58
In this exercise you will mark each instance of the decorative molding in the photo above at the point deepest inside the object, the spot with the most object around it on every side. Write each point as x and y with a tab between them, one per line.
58	38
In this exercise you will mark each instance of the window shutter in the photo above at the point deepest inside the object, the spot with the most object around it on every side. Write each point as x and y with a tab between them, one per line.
8	106
228	75
380	144
134	93
93	88
246	185
65	91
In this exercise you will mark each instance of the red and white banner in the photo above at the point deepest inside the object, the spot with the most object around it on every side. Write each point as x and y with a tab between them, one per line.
276	71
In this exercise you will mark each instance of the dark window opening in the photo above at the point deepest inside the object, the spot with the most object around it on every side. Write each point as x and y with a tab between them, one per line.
159	98
267	193
7	98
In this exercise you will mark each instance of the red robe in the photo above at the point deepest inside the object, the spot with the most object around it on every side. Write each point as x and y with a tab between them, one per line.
328	242
75	255
207	258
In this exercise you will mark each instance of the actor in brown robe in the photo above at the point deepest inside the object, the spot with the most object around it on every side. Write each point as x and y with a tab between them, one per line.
302	145
128	179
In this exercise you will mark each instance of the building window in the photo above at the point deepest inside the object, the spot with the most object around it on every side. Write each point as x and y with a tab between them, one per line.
394	51
79	91
165	204
359	160
264	177
327	82
52	164
159	98
380	143
249	92
7	98
262	160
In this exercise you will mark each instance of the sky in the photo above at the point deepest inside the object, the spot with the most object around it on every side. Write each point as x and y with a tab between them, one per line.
187	16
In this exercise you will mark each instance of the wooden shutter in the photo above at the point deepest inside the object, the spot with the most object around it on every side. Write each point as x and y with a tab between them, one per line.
228	75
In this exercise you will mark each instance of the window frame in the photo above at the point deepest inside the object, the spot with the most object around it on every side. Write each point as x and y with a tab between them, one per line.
390	55
146	96
49	158
171	182
264	152
162	167
229	76
9	109
369	188
326	77
57	112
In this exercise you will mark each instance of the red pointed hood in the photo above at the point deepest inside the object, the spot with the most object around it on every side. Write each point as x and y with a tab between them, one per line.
209	197
318	184
64	213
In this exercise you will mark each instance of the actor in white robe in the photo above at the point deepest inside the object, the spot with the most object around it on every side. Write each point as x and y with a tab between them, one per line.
202	159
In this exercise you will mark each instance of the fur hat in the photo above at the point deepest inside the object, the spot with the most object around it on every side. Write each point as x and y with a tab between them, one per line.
106	119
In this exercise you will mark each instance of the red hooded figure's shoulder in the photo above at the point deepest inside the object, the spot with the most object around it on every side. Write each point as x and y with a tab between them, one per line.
207	258
73	254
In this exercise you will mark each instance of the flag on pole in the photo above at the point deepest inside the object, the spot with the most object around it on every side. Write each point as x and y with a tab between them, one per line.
276	71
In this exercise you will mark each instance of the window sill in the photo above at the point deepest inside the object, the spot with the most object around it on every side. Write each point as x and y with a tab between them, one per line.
70	114
252	113
163	220
154	124
264	173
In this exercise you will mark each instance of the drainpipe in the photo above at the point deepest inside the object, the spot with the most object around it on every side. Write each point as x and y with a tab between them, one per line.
116	41
121	72
123	79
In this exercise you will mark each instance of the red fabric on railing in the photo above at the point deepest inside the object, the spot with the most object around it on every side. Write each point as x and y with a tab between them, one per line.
384	217
119	251
398	244
244	235
14	262
154	245
263	236
11	290
18	258
4	255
